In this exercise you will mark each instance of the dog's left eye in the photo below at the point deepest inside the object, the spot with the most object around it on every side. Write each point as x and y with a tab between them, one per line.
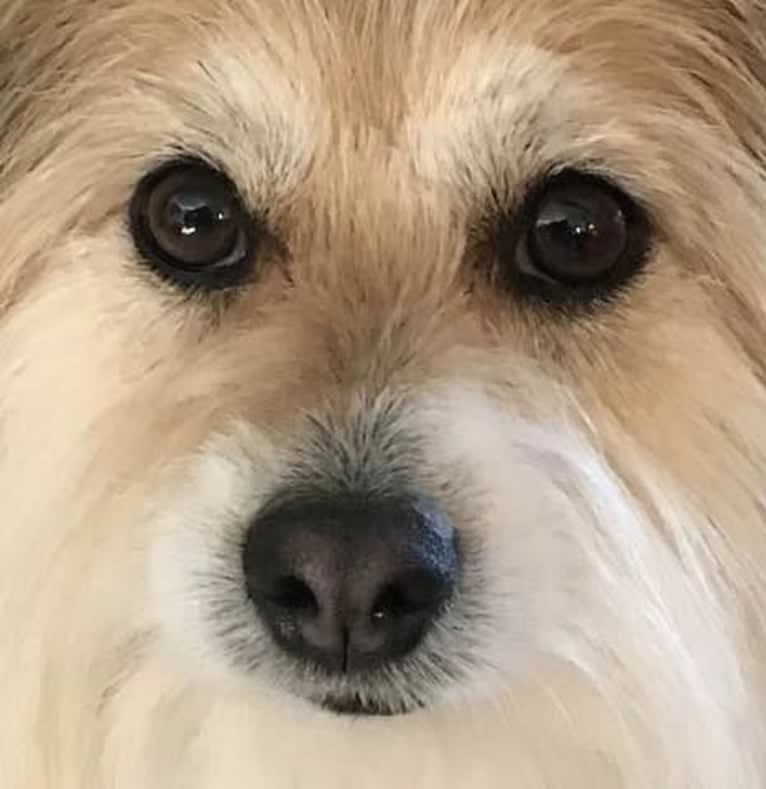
189	224
576	238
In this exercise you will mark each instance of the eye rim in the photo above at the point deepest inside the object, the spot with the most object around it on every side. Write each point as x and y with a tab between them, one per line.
510	246
230	272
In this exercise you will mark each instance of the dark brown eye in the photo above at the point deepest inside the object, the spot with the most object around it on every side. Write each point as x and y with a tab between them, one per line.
578	237
189	224
579	232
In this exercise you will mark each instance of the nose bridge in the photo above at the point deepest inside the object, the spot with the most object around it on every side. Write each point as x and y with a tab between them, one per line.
380	258
382	225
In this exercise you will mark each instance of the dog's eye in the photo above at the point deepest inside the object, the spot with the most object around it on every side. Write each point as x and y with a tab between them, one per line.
189	224
578	237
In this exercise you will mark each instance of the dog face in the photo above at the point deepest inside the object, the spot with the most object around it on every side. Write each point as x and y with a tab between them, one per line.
369	361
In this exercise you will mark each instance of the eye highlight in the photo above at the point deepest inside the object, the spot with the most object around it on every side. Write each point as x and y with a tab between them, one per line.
189	224
576	238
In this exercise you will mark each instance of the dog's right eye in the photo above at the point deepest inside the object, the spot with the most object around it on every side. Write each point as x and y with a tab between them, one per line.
190	225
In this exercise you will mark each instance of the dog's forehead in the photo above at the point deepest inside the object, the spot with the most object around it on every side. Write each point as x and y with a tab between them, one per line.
372	61
268	81
260	75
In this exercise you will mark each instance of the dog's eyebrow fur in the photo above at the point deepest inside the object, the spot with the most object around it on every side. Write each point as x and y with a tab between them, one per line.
717	42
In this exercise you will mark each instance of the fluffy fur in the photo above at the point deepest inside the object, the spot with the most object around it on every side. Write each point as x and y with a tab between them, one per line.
608	468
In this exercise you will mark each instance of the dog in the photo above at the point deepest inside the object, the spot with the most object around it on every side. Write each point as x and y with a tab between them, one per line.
382	394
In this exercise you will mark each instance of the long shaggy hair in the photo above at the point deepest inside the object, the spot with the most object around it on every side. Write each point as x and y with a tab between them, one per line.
604	464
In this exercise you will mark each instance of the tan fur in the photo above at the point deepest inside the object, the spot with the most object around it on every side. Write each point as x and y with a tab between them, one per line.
375	136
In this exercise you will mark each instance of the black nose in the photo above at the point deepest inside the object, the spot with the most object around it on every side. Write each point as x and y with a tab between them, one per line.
350	583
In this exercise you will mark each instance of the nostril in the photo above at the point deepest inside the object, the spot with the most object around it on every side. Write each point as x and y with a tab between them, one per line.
291	594
413	593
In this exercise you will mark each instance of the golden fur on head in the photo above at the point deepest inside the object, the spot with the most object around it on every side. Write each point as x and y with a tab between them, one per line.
609	463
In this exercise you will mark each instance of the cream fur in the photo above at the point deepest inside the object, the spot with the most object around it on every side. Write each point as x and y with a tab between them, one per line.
610	466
